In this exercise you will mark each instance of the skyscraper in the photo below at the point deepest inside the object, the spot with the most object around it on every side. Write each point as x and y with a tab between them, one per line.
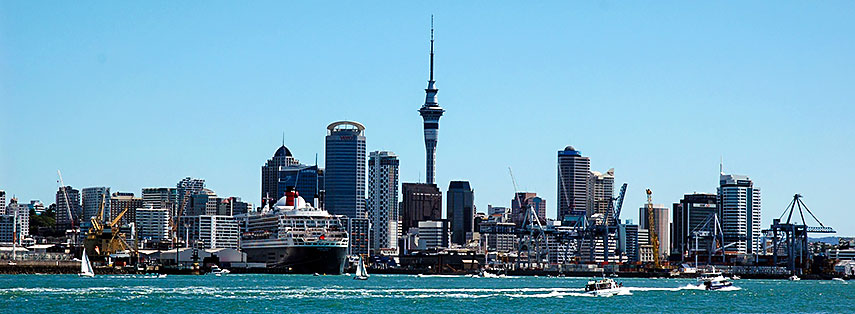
461	210
92	198
661	225
344	178
2	202
601	188
164	198
283	170
689	216
573	171
383	199
431	112
739	207
422	202
68	212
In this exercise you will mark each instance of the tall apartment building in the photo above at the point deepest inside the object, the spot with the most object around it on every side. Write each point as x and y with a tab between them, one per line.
421	202
68	210
185	189
152	225
2	202
92	199
121	201
631	244
344	178
520	204
166	198
573	171
383	199
661	225
689	216
16	214
601	187
209	231
461	210
739	207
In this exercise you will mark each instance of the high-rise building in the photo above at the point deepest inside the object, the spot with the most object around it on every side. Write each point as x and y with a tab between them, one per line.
601	188
461	210
383	199
520	204
92	199
165	198
344	178
283	171
689	216
209	231
207	203
15	223
2	202
185	189
631	244
121	201
573	171
68	210
739	208
422	202
270	172
431	112
235	206
152	225
661	225
359	234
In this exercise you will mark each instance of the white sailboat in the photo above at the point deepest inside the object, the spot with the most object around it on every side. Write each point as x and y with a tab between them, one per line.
86	267
361	272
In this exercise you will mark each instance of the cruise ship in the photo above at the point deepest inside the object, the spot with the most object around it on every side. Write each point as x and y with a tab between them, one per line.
292	236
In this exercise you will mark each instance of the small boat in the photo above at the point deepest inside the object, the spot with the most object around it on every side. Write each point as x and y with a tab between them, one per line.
839	279
86	267
605	287
361	272
316	274
713	280
735	277
794	278
217	271
161	276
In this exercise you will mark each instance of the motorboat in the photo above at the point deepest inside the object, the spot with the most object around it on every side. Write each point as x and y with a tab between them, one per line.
713	280
217	271
794	278
605	287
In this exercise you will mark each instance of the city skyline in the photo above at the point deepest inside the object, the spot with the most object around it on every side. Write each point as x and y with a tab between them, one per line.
767	117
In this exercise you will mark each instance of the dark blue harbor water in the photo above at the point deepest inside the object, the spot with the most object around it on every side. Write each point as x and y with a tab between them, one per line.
409	294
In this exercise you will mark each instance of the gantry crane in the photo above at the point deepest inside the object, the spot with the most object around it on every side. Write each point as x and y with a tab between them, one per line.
101	243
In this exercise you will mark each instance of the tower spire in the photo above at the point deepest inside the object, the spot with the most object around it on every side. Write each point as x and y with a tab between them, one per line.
431	47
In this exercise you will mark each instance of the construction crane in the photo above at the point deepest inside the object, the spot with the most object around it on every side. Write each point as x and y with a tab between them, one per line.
651	229
68	208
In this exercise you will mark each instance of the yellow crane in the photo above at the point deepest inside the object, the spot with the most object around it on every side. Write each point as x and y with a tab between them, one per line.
100	244
651	229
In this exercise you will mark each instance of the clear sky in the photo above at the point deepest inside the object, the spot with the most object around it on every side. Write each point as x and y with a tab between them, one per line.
142	94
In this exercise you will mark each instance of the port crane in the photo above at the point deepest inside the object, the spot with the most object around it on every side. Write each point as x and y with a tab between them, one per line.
105	238
533	238
603	226
794	235
651	229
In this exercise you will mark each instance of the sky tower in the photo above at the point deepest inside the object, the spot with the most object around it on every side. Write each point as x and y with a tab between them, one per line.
431	112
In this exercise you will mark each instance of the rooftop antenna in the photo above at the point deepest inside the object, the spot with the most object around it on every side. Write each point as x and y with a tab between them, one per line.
283	138
721	165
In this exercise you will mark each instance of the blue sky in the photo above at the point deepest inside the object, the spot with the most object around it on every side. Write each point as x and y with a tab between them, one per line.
133	95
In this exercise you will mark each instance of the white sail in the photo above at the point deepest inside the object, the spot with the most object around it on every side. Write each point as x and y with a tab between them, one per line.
85	266
361	272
